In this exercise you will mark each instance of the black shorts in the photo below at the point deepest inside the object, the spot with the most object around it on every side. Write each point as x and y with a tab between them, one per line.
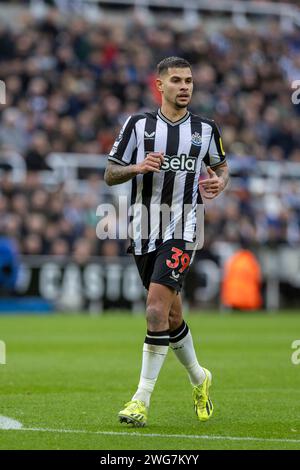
168	265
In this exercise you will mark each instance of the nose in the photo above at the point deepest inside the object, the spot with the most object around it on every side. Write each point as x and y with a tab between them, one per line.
184	87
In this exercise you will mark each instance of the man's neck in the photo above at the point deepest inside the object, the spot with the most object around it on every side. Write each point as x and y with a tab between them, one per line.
173	114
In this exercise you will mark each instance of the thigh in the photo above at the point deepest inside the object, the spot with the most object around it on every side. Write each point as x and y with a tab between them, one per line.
145	265
171	264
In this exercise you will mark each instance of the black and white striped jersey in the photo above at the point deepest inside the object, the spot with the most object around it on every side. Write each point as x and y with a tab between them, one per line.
185	144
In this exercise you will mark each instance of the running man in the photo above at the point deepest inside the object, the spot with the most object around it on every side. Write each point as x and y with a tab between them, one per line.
162	153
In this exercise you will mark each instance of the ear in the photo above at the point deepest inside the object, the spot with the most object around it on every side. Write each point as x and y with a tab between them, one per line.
159	84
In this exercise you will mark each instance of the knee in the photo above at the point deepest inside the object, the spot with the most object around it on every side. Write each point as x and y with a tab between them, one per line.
157	319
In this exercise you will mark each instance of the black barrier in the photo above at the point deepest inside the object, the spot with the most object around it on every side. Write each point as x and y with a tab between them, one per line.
113	283
106	283
98	284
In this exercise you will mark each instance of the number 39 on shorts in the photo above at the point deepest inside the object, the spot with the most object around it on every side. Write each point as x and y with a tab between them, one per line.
179	258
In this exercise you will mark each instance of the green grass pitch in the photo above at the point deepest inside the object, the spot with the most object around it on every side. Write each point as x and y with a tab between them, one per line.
67	376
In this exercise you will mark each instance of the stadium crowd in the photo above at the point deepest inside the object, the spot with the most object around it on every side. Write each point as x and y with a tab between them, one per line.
70	86
52	222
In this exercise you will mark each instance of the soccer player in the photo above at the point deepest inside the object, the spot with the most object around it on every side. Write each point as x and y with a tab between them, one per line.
162	152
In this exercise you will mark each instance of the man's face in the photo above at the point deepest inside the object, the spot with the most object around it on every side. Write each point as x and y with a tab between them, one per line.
176	86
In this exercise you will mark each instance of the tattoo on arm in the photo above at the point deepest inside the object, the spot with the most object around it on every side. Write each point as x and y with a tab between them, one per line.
222	172
117	174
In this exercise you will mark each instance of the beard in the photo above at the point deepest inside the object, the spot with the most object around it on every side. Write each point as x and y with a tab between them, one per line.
181	105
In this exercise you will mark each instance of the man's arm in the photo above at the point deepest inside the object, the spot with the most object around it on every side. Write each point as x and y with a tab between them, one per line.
118	174
222	171
217	181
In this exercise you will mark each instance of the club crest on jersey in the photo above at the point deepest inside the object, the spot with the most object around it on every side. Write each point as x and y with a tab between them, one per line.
180	162
196	139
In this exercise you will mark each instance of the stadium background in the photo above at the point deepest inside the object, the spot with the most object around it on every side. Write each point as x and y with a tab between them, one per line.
74	70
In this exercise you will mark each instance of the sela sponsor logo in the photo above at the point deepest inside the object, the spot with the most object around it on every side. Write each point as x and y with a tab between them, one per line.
180	162
196	139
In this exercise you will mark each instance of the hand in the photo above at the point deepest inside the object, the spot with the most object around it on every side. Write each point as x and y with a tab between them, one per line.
211	187
152	162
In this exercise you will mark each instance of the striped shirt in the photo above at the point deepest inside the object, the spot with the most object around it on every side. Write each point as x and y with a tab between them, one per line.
185	143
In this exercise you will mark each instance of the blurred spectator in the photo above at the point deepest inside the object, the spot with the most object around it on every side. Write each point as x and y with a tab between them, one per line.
9	264
32	245
110	248
36	155
59	248
241	284
82	251
13	134
71	84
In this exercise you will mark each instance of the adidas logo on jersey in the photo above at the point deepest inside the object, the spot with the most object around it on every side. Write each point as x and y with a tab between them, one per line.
179	162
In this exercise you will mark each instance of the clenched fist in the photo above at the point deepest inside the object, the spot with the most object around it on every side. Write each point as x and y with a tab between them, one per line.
152	162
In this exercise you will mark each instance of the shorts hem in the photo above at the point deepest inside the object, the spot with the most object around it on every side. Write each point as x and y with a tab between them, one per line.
166	283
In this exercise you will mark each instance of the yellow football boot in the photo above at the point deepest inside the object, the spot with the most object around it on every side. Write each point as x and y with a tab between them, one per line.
202	403
135	413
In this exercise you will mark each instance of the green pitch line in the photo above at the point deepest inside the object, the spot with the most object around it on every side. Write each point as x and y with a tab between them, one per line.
74	373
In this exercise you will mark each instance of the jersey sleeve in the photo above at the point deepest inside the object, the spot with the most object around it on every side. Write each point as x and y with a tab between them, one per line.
215	154
125	144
